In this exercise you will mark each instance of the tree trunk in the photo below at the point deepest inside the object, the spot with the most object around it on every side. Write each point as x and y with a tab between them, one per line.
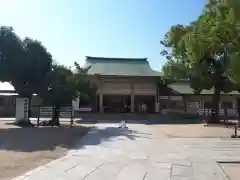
185	104
215	103
238	111
29	109
56	114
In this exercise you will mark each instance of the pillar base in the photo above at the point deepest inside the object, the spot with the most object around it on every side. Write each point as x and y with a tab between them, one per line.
132	104
100	103
156	107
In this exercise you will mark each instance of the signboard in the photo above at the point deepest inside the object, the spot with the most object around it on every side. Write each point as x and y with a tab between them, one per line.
163	97
85	109
173	98
176	98
193	105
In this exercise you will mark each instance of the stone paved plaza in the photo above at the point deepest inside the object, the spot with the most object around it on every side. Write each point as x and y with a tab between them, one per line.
141	153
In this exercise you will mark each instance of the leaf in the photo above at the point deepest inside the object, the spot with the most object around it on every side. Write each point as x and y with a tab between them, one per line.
208	48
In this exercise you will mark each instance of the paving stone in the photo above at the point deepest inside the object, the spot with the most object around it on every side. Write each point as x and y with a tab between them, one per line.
80	172
132	171
155	173
183	178
107	171
179	170
209	171
114	154
161	166
232	170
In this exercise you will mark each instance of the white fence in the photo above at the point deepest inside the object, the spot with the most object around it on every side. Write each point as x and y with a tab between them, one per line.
206	112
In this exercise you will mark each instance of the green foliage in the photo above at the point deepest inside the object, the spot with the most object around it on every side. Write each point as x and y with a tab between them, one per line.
25	64
176	69
61	88
11	52
85	84
207	51
66	86
35	71
28	66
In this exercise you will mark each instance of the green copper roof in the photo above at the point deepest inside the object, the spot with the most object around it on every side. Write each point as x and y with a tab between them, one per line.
184	88
120	66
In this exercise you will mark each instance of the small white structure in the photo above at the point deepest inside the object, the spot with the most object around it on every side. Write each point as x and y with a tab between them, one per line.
75	104
123	124
21	109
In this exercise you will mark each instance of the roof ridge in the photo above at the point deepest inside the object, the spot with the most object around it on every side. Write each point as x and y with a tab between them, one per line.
117	59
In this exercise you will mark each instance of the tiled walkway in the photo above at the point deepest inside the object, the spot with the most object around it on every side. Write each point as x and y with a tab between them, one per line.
140	153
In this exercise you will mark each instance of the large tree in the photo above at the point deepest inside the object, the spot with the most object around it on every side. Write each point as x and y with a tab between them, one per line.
86	84
66	85
61	90
208	49
26	64
11	52
176	69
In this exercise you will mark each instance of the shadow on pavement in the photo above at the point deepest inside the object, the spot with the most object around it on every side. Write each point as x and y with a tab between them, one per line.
136	118
47	138
98	136
173	121
147	121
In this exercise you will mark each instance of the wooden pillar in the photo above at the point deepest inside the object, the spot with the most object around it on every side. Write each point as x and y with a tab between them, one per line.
132	96
100	84
132	103
202	104
100	102
185	103
157	100
156	104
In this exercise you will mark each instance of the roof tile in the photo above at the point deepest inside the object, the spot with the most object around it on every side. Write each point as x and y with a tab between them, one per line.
120	67
184	88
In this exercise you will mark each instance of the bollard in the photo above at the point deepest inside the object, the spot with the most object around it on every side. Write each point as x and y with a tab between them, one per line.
235	135
122	124
225	115
238	118
235	130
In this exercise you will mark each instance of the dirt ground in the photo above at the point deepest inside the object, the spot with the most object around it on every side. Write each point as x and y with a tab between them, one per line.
23	149
196	130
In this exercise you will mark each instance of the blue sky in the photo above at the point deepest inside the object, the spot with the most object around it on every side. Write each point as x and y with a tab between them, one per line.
73	29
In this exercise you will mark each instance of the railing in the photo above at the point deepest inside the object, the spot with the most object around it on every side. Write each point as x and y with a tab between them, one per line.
46	112
67	112
222	112
231	112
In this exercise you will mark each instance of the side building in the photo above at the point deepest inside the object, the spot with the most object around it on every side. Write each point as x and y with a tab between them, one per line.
184	98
